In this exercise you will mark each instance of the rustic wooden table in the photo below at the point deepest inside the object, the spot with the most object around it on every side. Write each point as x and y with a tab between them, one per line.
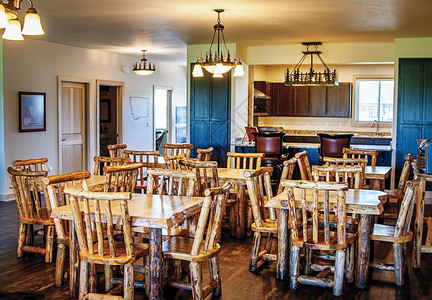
377	176
235	176
153	211
364	202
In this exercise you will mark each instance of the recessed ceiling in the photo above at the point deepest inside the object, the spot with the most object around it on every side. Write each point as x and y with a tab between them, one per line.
165	27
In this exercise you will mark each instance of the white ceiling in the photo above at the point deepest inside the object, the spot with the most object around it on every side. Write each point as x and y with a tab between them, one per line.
165	27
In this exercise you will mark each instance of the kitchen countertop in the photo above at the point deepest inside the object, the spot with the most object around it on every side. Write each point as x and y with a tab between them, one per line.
358	134
317	145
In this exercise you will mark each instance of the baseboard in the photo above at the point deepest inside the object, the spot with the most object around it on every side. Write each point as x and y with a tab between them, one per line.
8	197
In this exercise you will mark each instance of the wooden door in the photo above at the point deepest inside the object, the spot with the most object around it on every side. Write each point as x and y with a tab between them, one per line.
414	106
210	111
72	127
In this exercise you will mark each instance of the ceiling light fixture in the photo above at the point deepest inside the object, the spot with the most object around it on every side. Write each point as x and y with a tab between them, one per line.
9	20
141	68
311	77
220	63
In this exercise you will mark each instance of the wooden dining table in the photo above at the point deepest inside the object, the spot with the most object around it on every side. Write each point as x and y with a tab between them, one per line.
153	211
235	176
377	176
367	203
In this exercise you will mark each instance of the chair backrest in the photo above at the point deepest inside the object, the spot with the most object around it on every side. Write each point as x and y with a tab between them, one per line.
171	182
173	162
56	185
204	154
210	218
403	222
148	159
259	189
101	161
314	198
37	164
28	187
365	154
177	149
404	174
350	175
269	143
206	171
121	178
304	166
244	160
116	150
345	162
332	144
86	220
287	171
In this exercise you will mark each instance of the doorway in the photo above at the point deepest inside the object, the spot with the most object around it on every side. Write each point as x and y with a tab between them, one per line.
73	139
110	96
162	103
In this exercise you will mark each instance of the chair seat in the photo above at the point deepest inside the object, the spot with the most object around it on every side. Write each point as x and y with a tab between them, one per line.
332	245
180	248
43	220
268	225
385	233
140	250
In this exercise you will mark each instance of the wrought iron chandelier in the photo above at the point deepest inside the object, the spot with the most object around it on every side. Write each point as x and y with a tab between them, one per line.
141	67
219	63
9	20
295	77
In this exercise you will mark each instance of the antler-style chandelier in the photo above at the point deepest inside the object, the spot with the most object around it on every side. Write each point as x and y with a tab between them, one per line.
220	63
311	77
141	68
9	20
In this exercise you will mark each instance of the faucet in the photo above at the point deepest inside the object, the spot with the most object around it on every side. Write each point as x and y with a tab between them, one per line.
377	126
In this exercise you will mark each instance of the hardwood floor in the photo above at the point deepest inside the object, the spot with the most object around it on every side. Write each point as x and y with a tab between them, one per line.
31	278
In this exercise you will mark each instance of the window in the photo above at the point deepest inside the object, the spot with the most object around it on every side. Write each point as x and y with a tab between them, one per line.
374	100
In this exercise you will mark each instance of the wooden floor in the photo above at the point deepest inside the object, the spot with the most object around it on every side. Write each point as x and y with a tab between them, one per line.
31	278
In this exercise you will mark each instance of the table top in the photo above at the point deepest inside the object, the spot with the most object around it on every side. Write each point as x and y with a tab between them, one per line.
154	211
357	201
380	172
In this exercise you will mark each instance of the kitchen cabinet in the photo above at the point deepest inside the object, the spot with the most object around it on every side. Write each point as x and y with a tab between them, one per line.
307	101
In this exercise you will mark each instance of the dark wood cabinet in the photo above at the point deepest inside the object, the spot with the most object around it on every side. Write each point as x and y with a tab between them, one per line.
317	106
307	101
339	100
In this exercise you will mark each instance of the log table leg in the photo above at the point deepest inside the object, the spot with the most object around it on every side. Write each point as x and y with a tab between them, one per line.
363	251
155	262
282	257
418	226
74	263
241	212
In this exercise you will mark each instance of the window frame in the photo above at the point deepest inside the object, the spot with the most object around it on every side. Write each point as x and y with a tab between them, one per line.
356	123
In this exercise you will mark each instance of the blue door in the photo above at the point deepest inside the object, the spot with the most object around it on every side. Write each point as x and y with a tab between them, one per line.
210	105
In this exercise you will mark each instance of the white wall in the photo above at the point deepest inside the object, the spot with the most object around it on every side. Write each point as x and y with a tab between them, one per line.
34	65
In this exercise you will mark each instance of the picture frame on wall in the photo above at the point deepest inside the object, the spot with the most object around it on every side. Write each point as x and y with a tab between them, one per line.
32	111
105	111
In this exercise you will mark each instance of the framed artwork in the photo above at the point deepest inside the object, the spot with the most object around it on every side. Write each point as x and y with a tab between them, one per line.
105	111
32	111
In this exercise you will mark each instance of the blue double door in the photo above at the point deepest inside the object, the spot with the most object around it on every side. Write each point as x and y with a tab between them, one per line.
210	115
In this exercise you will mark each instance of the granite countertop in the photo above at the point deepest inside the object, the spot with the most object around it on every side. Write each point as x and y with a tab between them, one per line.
317	145
357	134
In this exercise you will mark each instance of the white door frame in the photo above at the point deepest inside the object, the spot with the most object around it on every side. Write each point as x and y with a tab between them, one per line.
120	100
89	106
170	135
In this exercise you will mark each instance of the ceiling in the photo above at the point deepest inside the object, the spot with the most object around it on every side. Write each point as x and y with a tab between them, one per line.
165	27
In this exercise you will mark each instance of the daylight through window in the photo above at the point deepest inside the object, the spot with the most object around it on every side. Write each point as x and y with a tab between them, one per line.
374	100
